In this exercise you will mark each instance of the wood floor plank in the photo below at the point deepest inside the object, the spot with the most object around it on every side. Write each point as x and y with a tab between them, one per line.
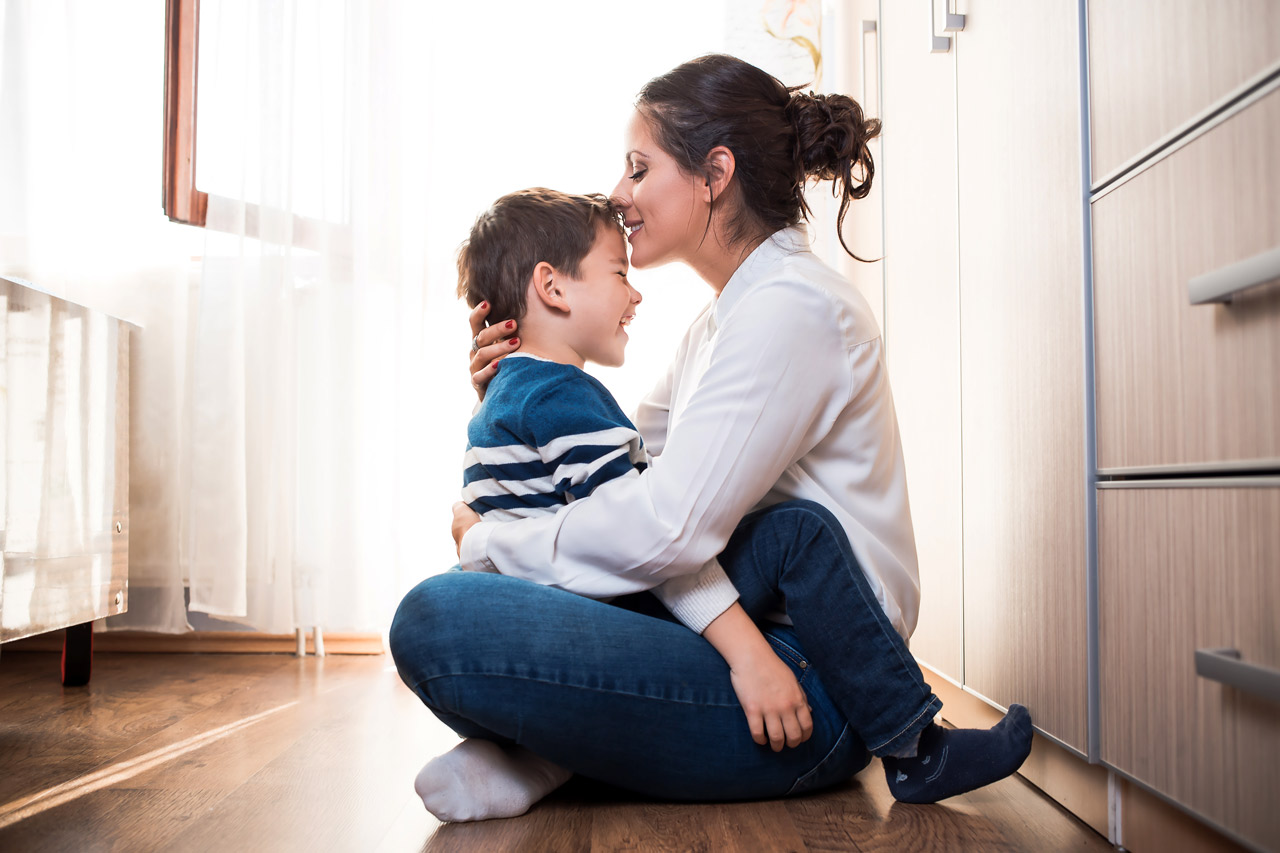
260	752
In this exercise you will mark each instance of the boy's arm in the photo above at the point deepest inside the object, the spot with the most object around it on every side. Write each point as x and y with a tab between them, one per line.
775	705
583	436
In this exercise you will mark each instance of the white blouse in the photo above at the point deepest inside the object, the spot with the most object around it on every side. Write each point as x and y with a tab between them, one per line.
779	391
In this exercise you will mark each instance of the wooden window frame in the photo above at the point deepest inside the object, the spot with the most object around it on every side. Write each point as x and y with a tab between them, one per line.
182	201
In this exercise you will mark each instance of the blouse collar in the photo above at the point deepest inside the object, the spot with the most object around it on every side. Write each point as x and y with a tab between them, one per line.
779	245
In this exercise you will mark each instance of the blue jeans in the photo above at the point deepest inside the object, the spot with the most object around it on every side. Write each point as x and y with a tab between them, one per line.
622	693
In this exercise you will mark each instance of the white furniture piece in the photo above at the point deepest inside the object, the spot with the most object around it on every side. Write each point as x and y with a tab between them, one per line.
64	467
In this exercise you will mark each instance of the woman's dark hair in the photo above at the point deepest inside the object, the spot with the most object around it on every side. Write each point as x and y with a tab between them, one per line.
779	136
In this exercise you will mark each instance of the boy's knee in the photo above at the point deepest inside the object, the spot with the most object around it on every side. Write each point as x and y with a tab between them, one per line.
812	513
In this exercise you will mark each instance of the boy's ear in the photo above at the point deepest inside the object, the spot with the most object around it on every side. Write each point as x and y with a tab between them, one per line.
549	287
718	171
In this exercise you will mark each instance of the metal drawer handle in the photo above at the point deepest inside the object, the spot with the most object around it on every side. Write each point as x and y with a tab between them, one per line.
955	23
1224	665
1221	285
867	27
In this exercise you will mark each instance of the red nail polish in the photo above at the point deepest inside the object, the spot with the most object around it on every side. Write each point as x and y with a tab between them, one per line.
511	324
485	304
514	342
494	366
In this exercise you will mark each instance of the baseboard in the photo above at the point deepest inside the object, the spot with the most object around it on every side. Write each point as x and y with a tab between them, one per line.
206	642
1076	785
1121	811
1151	824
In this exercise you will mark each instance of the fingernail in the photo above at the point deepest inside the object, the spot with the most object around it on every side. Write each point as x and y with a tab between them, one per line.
484	304
511	324
495	364
514	342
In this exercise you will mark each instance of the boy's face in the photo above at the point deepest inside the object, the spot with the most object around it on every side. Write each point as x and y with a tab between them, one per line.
602	302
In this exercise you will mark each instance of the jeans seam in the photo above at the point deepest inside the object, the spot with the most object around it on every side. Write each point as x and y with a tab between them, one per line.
844	734
880	624
422	685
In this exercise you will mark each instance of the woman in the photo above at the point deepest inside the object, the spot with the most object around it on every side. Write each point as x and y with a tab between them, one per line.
775	438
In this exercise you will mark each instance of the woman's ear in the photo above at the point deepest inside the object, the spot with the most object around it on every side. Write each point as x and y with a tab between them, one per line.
717	172
549	287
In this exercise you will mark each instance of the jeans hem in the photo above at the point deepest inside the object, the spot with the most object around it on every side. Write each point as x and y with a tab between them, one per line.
910	731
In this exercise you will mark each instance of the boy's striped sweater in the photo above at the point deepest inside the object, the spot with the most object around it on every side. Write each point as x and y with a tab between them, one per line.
546	434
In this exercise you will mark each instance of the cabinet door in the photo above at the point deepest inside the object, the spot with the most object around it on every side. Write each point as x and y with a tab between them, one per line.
922	319
1155	64
1182	569
1022	361
1181	385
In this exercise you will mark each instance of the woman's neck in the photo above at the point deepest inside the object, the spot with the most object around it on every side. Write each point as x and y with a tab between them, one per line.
716	264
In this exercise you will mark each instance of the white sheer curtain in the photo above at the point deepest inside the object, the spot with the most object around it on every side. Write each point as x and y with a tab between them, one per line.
278	392
299	396
305	381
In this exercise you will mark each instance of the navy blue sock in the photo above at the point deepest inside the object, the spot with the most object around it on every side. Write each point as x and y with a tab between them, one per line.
952	761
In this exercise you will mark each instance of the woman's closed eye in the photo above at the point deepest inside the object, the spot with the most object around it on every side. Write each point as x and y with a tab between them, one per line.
637	174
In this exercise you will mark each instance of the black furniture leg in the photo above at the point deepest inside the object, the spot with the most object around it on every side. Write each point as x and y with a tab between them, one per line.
77	655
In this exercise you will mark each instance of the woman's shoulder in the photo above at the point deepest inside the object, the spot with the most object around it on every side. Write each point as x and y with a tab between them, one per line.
801	288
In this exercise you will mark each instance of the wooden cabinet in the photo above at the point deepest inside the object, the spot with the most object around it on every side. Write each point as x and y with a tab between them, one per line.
984	328
1022	362
995	290
1181	569
1185	103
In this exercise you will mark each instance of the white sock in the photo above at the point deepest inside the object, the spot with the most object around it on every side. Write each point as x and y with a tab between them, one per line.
478	780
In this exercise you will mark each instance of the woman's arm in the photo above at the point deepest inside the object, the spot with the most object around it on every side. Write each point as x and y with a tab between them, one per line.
778	376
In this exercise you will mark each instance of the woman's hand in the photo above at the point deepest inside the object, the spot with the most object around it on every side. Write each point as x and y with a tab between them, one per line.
777	711
464	518
488	344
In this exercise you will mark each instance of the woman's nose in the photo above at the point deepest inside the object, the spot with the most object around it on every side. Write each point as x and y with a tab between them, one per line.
620	197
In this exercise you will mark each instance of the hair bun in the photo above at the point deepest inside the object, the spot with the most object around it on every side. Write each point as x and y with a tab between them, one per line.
831	139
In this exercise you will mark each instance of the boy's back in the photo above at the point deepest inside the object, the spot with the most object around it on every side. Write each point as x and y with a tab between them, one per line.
546	434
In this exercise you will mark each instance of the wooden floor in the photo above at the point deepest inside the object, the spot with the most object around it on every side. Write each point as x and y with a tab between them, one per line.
273	753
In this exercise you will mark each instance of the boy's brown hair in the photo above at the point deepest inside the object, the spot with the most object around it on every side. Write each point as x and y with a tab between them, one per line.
518	232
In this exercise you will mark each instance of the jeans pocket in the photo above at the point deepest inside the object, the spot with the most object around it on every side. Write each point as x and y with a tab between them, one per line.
836	766
790	655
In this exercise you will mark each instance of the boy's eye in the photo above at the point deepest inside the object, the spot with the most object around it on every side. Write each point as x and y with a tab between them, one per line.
637	174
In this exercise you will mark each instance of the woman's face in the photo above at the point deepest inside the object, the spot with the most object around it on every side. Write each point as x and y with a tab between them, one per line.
663	208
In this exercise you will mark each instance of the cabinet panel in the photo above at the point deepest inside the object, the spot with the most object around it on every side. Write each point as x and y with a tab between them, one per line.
64	463
1155	64
1181	569
1181	384
1022	361
922	320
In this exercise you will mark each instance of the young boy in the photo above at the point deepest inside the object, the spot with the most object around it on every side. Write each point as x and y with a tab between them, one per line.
548	433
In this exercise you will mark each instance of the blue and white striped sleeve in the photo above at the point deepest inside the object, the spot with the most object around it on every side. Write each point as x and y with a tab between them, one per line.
584	439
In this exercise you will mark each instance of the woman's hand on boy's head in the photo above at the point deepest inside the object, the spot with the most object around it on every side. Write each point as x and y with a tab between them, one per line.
488	345
464	518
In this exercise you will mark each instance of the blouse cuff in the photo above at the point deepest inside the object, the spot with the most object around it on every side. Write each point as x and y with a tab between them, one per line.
697	599
473	556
